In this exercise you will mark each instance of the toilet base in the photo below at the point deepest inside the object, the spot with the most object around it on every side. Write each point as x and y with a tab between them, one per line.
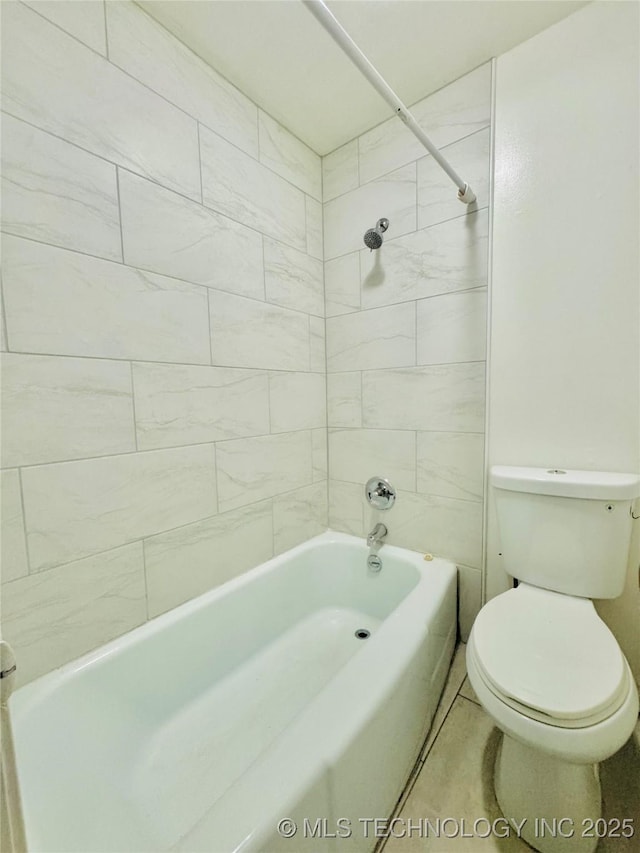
554	797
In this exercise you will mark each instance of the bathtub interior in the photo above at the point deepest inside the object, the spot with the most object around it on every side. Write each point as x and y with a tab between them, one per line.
139	739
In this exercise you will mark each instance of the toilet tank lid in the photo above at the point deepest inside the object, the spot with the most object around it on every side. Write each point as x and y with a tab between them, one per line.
593	485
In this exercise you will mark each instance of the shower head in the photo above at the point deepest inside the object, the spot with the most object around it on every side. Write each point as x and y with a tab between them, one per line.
373	237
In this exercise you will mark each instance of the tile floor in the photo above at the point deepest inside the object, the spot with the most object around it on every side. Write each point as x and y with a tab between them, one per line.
454	780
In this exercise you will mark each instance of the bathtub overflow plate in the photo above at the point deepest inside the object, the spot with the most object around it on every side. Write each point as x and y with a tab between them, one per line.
374	562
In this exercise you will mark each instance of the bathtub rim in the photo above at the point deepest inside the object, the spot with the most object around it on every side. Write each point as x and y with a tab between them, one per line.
36	690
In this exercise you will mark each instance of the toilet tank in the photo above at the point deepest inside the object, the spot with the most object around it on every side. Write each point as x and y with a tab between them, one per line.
567	531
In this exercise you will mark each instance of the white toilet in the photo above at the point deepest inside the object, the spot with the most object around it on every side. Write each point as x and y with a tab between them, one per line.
543	663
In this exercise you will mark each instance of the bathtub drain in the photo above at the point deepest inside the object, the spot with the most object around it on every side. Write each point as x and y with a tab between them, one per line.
362	633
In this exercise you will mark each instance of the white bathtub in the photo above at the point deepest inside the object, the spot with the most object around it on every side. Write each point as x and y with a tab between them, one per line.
202	729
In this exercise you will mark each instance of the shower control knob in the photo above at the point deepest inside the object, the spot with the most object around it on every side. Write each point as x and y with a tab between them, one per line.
380	493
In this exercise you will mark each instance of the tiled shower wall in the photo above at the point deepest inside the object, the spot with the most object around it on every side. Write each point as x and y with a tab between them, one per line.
406	329
164	406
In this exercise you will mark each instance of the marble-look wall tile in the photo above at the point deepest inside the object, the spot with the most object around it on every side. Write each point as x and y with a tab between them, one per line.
289	157
384	337
342	285
317	345
452	327
246	333
451	464
340	171
169	234
293	279
180	404
347	217
298	401
446	398
451	113
315	240
238	186
150	53
469	599
191	560
344	399
346	507
83	19
75	509
52	617
319	461
51	80
437	196
54	409
3	332
13	548
446	257
57	193
63	303
252	469
441	526
299	515
355	455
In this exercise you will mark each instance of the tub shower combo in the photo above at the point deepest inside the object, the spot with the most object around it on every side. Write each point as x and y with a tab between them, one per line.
301	690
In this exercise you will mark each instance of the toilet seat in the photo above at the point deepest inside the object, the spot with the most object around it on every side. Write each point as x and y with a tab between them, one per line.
550	657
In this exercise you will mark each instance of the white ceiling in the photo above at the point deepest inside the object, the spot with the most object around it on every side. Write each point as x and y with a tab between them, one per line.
279	55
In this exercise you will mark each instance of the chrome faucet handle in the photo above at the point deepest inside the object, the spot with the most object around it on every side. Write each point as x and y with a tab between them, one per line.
380	493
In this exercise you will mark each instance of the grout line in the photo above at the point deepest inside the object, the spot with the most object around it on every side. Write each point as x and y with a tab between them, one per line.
401	165
215	469
183	281
146	582
3	308
413	367
146	177
24	525
402	429
467	501
209	326
119	221
228	81
9	233
168	447
106	29
487	417
200	164
133	405
413	106
258	371
72	35
129	542
269	402
413	232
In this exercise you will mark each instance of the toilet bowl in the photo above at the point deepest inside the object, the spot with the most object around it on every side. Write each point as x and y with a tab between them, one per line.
543	664
552	676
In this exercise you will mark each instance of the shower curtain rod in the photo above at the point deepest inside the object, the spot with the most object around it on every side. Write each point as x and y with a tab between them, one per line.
344	40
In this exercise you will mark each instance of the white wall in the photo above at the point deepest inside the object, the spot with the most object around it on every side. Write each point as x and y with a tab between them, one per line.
406	330
565	344
163	400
